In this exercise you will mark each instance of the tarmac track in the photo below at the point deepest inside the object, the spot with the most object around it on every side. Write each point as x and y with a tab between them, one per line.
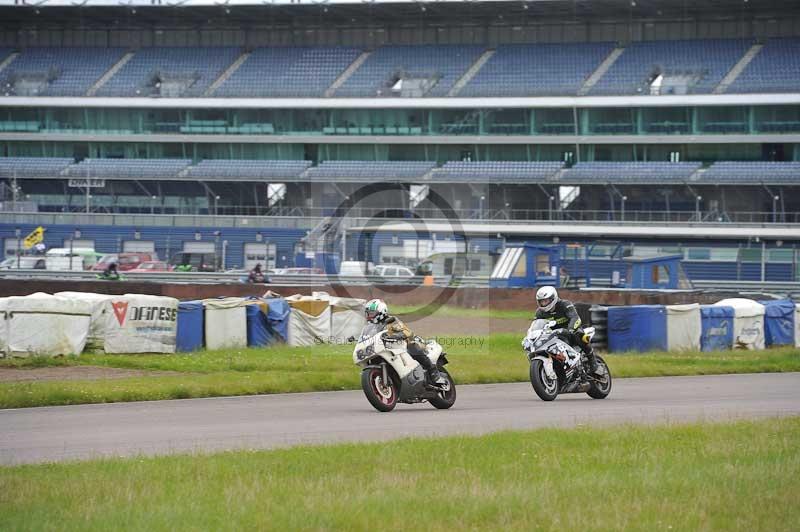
260	422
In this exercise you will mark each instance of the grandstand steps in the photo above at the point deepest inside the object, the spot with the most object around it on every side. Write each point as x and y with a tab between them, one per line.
8	60
227	74
600	71
349	71
470	73
737	69
110	73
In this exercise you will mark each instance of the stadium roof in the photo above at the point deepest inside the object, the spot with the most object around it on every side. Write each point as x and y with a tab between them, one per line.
248	13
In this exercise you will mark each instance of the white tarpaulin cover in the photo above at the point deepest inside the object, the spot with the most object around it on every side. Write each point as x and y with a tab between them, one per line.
46	325
797	325
347	316
3	325
136	323
684	327
99	304
226	323
748	322
310	321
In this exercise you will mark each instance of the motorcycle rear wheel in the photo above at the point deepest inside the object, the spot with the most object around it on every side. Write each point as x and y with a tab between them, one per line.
598	390
545	387
382	396
445	400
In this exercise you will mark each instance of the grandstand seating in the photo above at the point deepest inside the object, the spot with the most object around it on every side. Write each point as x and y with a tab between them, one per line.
483	171
32	167
128	168
64	71
537	69
706	61
446	63
193	68
370	170
630	172
243	169
288	71
775	69
755	172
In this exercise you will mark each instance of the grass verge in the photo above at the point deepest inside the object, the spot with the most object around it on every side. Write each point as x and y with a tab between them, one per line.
493	359
733	476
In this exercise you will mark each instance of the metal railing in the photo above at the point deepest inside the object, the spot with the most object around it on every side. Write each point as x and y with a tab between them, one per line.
308	217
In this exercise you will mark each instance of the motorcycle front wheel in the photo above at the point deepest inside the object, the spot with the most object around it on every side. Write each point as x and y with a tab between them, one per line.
545	387
445	399
381	395
600	390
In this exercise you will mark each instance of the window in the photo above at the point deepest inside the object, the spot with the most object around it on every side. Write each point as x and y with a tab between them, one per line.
660	275
698	254
543	264
448	266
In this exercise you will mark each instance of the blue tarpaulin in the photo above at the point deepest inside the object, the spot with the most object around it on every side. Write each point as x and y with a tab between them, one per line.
190	326
267	321
278	317
717	327
779	321
259	333
637	328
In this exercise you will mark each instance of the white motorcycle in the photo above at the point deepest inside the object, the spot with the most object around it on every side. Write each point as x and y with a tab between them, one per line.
557	367
390	375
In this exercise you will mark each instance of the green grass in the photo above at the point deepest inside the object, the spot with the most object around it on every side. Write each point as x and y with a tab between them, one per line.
320	368
734	476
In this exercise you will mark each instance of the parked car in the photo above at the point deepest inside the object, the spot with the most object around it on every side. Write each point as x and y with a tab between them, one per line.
392	270
125	261
151	266
355	268
25	262
194	262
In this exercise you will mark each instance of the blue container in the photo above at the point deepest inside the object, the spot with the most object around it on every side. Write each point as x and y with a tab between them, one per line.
190	326
779	322
717	331
637	328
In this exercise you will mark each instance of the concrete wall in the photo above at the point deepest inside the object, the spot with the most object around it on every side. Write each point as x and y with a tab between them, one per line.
498	298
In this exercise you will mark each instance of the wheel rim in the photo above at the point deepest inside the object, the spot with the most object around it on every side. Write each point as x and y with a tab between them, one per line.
548	383
384	393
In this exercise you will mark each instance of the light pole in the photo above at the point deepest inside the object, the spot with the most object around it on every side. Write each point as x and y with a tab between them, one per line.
480	214
775	200
550	201
152	204
216	202
624	199
697	201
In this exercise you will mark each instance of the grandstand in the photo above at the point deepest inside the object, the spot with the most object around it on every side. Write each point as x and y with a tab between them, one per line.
520	111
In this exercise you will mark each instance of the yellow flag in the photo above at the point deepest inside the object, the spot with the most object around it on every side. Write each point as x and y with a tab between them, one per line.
36	236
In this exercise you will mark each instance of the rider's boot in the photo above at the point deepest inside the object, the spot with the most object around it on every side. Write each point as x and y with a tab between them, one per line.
435	376
594	365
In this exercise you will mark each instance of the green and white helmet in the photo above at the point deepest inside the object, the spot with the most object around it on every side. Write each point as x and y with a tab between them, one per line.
376	311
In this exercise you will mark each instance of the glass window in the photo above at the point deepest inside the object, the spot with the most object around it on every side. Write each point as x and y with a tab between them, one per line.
543	264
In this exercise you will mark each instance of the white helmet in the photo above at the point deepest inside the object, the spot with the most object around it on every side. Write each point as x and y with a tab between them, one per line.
546	298
376	311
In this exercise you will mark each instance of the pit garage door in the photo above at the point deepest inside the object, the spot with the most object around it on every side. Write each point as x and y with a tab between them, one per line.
259	253
83	244
138	246
198	247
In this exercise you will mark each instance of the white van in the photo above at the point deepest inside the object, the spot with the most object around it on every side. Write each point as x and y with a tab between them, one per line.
77	259
355	268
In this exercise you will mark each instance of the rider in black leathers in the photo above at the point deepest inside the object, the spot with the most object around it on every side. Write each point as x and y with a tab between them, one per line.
563	312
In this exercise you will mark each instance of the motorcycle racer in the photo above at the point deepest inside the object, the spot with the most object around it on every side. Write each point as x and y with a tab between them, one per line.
378	318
